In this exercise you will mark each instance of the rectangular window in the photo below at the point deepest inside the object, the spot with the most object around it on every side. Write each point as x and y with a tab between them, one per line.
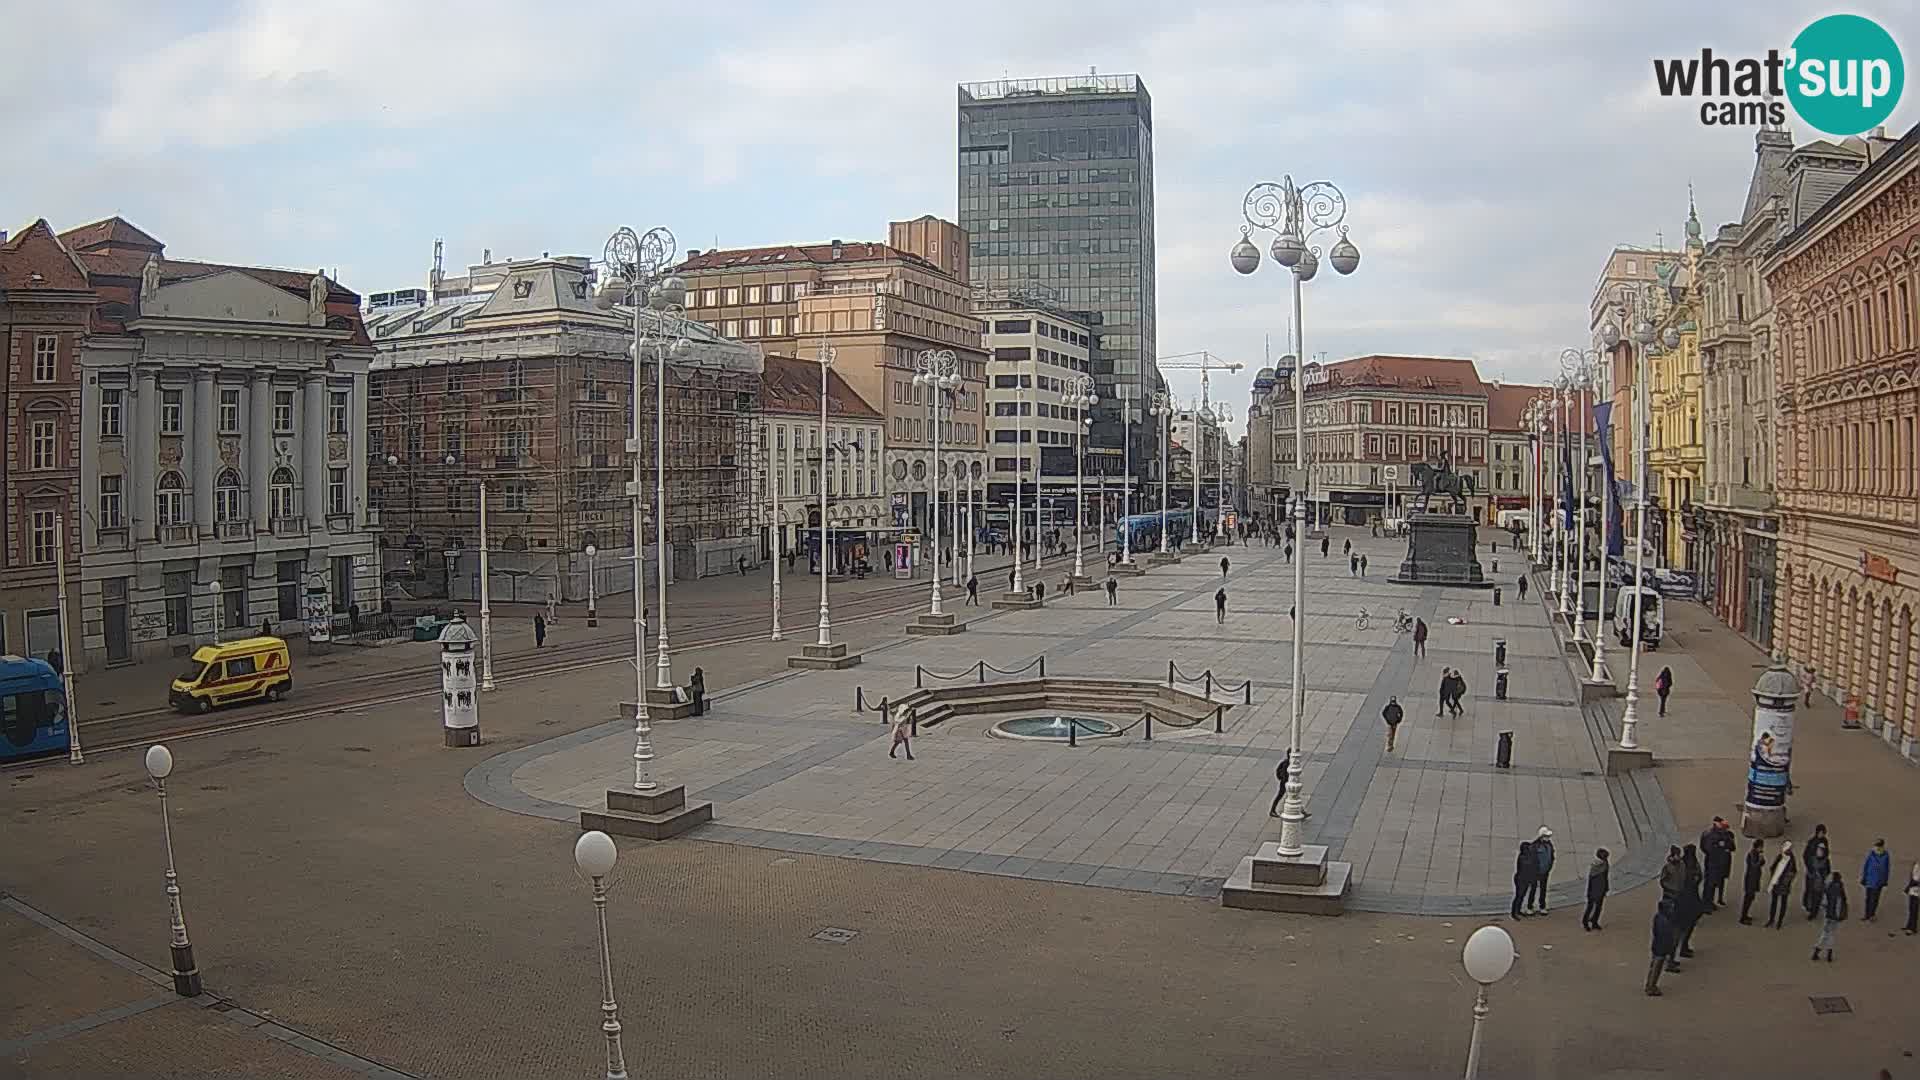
776	327
342	583
178	586
515	496
733	296
753	294
337	412
46	358
228	503
799	289
337	492
110	511
40	537
170	411
710	298
776	294
283	411
42	445
288	574
230	412
110	399
730	328
753	327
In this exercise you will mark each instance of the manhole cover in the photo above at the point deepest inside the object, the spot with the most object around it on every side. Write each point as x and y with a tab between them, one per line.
836	936
221	1006
1822	1006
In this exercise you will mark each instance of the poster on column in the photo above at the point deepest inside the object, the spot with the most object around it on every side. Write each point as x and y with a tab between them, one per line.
1770	759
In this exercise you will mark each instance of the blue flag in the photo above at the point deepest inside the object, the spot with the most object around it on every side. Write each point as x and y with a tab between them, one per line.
1616	518
1566	482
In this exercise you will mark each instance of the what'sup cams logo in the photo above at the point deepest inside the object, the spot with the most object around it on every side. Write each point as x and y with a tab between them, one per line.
1843	75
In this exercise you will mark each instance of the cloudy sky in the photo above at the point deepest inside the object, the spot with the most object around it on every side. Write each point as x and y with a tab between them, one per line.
1492	152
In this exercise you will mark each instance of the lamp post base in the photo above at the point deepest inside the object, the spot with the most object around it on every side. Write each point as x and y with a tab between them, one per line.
186	975
1308	883
929	624
462	736
824	657
660	814
1621	761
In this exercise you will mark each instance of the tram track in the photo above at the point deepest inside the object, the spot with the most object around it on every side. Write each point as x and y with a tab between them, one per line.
139	728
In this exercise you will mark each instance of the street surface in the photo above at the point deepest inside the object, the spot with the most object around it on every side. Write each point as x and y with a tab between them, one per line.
357	911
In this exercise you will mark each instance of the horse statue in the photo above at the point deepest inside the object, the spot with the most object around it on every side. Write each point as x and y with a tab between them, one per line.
1441	480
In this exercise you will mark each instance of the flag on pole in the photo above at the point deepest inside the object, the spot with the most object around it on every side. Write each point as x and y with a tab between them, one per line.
1603	426
1566	482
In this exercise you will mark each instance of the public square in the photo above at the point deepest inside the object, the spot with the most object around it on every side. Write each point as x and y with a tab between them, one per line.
366	901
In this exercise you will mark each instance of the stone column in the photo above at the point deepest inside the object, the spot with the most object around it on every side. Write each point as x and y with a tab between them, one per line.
144	446
205	462
313	449
260	449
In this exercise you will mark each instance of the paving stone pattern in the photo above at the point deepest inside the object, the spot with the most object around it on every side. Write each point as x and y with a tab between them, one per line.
1431	828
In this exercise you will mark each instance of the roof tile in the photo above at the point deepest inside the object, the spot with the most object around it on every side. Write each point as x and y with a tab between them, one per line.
792	386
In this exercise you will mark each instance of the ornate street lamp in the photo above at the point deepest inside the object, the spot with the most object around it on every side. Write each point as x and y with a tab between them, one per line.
1080	398
594	854
1163	408
186	974
1295	215
1643	336
938	370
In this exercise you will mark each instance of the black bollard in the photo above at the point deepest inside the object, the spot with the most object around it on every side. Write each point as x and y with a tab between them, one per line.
1499	652
1496	596
1500	684
1503	758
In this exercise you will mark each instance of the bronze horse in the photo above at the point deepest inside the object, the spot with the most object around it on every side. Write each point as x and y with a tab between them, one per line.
1442	481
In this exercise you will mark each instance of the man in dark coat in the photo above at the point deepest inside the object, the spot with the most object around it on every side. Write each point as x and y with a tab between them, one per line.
1597	874
1750	884
1392	714
1526	870
1419	637
1280	773
1666	937
1717	846
1817	859
1692	903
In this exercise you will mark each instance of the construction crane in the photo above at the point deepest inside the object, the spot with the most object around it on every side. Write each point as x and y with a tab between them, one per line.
1204	362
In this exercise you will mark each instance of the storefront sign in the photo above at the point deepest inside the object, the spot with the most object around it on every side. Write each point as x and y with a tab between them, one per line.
1879	567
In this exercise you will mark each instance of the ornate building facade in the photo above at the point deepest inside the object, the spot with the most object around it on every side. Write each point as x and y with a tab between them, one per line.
1676	454
1845	286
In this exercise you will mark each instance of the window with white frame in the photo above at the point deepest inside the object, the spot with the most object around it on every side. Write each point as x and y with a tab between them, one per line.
731	328
110	399
46	358
733	296
337	412
710	298
776	327
230	411
280	494
111	515
283	411
337	492
753	294
170	499
43	442
229	501
171	408
753	327
776	294
515	495
40	537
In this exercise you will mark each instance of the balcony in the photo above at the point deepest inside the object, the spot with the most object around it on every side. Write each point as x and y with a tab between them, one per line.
179	534
290	526
234	530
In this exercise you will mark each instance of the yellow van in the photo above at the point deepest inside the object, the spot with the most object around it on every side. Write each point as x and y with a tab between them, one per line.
250	669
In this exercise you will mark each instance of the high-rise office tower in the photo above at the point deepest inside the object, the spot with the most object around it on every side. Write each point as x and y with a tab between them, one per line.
1056	193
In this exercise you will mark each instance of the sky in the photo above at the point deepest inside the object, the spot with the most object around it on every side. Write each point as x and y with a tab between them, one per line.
1492	153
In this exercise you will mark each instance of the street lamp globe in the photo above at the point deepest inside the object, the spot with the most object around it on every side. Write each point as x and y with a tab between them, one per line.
1643	332
159	761
451	459
1671	339
1488	956
1246	256
1309	265
671	293
592	551
1610	334
1288	247
1344	256
392	460
594	854
610	292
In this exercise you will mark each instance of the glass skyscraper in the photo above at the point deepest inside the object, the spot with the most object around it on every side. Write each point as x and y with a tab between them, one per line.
1056	191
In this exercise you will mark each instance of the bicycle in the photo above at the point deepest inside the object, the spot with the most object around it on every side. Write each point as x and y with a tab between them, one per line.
1403	622
1365	621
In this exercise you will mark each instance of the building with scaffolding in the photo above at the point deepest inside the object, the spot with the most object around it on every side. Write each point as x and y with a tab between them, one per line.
513	379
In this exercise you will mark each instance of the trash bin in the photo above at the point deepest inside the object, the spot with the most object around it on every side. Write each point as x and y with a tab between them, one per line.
1499	652
1504	756
1496	596
1496	566
1500	684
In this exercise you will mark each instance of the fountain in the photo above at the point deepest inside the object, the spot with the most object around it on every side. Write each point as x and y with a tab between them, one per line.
1054	728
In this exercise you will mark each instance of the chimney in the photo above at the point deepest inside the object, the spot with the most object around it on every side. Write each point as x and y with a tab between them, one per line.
837	247
693	253
3	236
486	255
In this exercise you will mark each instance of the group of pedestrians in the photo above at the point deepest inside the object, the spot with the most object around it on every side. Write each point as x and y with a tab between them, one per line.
1532	868
1453	687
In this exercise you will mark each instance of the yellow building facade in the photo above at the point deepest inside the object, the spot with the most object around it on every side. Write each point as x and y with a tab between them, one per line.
1676	444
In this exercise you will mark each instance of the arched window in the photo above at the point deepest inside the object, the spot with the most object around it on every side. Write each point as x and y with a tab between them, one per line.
229	501
281	491
170	499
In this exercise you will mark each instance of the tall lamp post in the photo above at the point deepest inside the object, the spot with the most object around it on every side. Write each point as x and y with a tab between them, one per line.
1201	413
594	854
1126	493
1080	398
214	588
1222	416
1563	483
1163	408
938	371
1642	335
1586	371
825	356
636	265
1488	957
1573	368
593	612
1296	215
186	975
74	756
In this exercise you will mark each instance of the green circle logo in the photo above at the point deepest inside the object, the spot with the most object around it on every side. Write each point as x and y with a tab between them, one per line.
1846	74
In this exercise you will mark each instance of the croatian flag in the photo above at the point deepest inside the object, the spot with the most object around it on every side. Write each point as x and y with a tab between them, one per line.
1616	532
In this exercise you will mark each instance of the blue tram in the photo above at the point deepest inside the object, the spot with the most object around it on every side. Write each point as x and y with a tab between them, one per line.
1141	532
33	709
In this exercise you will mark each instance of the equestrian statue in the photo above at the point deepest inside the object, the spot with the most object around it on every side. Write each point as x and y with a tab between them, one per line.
1436	477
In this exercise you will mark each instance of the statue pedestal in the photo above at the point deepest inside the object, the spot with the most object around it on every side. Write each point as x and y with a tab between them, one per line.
1440	551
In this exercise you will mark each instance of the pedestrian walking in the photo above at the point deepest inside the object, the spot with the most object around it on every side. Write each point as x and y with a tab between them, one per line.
1392	714
1665	938
1818	855
1353	566
1673	876
1113	591
1066	583
1324	543
1750	883
1543	855
1459	690
1913	900
1806	698
1446	692
1220	605
1717	846
902	734
1280	773
1010	575
1523	586
1363	566
1663	685
1597	874
1040	591
743	566
1419	637
1873	876
1834	906
973	590
1289	552
539	629
1526	868
1780	884
1223	566
1347	547
1690	907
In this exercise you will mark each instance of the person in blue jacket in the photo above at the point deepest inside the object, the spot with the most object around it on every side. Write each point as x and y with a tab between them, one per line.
1873	875
1543	856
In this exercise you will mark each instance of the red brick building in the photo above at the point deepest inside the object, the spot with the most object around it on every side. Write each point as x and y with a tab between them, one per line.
45	302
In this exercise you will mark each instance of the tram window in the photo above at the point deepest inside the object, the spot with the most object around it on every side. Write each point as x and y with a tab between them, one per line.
21	715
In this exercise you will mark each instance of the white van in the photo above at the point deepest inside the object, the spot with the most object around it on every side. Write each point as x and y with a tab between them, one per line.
1652	615
1508	518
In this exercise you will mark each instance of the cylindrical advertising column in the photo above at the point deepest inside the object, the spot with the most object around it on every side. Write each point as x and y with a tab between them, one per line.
459	683
1770	756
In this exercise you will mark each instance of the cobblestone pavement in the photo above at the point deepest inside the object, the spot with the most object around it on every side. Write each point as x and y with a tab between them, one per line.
1431	827
340	883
